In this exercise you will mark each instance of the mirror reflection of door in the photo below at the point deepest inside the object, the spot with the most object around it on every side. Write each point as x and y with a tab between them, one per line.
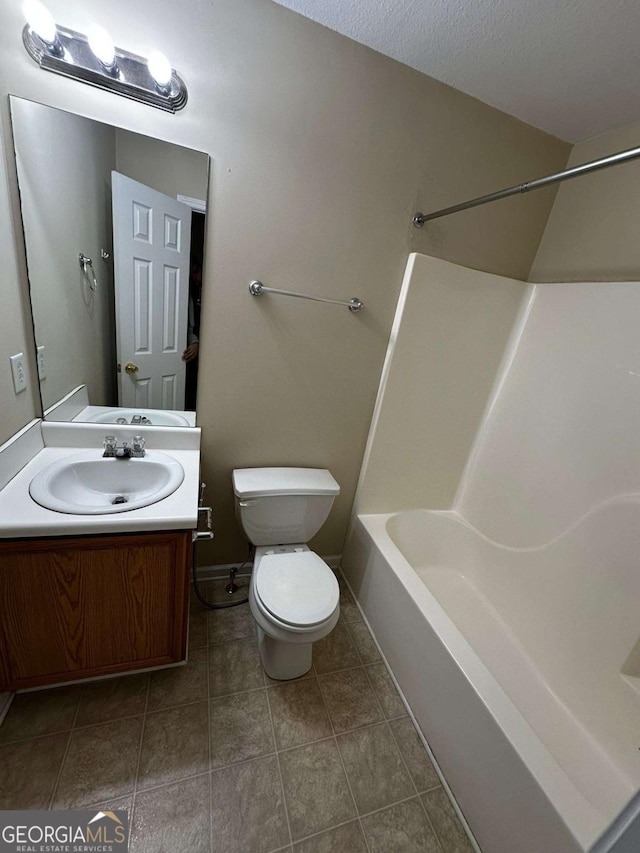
151	250
73	303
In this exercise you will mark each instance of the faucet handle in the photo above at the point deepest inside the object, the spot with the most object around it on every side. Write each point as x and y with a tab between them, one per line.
109	443
137	446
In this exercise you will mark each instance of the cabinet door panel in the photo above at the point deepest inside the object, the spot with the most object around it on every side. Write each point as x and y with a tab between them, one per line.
75	608
129	588
40	601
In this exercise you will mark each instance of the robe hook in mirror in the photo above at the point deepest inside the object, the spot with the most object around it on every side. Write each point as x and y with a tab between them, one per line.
86	265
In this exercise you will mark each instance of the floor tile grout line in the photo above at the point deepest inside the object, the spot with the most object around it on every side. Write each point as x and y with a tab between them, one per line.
359	819
210	742
394	739
387	722
243	761
135	780
154	788
66	749
329	829
74	723
229	695
59	773
14	741
389	729
388	719
433	829
353	642
297	841
77	728
413	782
402	758
340	734
392	805
306	743
396	742
344	669
232	640
342	764
382	720
273	686
334	732
144	713
275	744
375	695
210	801
347	625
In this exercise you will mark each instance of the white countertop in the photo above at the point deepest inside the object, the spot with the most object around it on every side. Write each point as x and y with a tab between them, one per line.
89	414
21	516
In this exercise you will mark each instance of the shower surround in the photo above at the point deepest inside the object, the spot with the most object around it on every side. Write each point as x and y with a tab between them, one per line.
495	543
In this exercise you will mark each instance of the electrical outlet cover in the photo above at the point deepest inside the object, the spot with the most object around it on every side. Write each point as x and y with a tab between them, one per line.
42	370
19	372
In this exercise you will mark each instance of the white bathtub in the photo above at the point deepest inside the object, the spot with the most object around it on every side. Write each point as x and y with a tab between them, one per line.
522	667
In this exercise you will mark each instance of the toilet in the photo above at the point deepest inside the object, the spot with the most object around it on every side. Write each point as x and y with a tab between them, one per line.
294	596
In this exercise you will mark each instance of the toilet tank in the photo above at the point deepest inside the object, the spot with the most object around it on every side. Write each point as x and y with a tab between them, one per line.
282	506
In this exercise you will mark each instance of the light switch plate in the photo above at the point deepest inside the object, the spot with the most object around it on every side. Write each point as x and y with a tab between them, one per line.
19	372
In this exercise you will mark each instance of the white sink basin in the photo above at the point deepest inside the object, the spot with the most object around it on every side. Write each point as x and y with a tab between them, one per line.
89	484
155	417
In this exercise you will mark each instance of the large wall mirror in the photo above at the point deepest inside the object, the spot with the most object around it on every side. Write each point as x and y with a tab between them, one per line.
114	226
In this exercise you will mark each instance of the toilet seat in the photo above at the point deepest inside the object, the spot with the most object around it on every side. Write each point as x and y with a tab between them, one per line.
296	588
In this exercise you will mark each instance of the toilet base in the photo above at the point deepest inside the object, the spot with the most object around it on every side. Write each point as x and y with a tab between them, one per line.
282	660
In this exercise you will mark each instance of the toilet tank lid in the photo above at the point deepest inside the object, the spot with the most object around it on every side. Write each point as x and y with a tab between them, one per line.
260	482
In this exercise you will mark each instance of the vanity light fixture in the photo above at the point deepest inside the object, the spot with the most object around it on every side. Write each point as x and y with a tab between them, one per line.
160	69
102	46
95	60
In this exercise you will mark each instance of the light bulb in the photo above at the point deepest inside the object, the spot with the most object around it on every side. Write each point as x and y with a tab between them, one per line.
40	20
159	68
101	44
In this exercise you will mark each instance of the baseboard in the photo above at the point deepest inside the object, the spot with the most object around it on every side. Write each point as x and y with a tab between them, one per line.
221	570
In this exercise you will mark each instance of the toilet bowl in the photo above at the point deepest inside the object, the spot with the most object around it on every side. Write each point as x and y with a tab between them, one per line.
295	600
294	595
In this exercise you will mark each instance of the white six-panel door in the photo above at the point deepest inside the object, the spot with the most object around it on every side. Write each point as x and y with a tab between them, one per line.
151	243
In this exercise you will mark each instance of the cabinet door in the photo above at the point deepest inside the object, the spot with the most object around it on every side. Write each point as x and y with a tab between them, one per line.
88	606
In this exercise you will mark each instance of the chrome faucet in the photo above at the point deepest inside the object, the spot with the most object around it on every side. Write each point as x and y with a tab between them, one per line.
126	450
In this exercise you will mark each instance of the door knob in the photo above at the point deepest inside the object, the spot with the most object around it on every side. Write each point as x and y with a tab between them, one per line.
130	368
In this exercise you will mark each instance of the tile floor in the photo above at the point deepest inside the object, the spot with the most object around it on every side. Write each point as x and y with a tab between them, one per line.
215	757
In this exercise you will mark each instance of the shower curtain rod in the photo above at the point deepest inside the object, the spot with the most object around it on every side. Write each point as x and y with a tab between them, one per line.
612	160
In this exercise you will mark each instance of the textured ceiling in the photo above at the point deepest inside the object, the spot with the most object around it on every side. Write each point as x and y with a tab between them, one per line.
569	67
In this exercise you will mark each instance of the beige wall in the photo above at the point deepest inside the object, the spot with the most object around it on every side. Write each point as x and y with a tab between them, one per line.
15	323
592	232
65	195
169	170
450	333
322	151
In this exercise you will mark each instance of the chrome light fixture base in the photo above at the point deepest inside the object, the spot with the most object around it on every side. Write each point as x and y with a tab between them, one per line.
72	57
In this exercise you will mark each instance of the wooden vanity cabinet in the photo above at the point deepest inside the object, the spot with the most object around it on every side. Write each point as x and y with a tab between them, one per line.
80	607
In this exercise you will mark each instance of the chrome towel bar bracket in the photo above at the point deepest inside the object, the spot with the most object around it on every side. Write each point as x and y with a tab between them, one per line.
256	288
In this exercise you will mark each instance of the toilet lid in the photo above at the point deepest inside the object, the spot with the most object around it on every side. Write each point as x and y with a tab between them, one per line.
297	587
